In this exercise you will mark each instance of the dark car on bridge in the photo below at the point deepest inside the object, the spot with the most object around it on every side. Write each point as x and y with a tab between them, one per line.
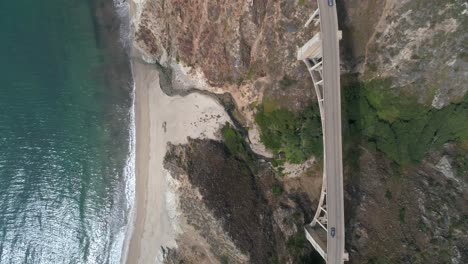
330	2
332	232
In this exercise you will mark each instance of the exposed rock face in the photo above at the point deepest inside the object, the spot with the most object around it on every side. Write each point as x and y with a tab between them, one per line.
417	215
226	38
229	214
246	48
203	238
241	206
421	45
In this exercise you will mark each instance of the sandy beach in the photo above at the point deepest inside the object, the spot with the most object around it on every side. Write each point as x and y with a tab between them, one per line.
161	119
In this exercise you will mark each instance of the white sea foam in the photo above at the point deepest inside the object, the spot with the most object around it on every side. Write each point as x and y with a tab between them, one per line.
129	173
122	8
120	245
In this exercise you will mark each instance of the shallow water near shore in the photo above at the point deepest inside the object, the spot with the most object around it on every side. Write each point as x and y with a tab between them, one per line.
65	133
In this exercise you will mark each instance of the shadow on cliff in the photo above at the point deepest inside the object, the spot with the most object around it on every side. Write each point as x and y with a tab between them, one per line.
351	140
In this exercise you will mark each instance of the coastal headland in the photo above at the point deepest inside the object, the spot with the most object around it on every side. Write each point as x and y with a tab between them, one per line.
211	192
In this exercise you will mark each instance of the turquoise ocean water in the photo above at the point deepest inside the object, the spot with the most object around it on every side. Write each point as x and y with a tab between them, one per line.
65	128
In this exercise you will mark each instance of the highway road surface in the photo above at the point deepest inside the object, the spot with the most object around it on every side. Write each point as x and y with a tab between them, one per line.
332	130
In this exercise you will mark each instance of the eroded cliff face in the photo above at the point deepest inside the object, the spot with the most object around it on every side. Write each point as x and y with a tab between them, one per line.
410	213
226	39
230	212
420	45
246	48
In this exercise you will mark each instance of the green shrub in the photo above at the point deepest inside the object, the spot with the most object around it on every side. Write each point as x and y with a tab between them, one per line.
224	259
381	260
388	195
422	226
234	141
297	136
461	163
237	146
277	190
286	82
295	245
251	73
402	215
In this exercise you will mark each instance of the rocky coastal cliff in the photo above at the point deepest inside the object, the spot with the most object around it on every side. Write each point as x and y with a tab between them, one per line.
405	128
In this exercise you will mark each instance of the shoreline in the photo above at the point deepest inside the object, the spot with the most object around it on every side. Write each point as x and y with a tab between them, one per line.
111	22
130	183
160	119
147	158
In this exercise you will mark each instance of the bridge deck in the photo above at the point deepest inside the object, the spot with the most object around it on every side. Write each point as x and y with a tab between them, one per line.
324	48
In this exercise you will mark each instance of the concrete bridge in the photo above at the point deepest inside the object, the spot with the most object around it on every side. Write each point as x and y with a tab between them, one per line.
320	54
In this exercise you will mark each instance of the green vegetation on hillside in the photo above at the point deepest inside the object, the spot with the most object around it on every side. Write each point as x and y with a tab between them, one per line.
398	126
237	146
277	190
296	246
402	215
234	141
296	136
395	124
461	160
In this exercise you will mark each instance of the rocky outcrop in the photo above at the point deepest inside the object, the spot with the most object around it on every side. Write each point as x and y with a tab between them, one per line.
225	39
413	215
419	44
229	211
246	48
229	190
